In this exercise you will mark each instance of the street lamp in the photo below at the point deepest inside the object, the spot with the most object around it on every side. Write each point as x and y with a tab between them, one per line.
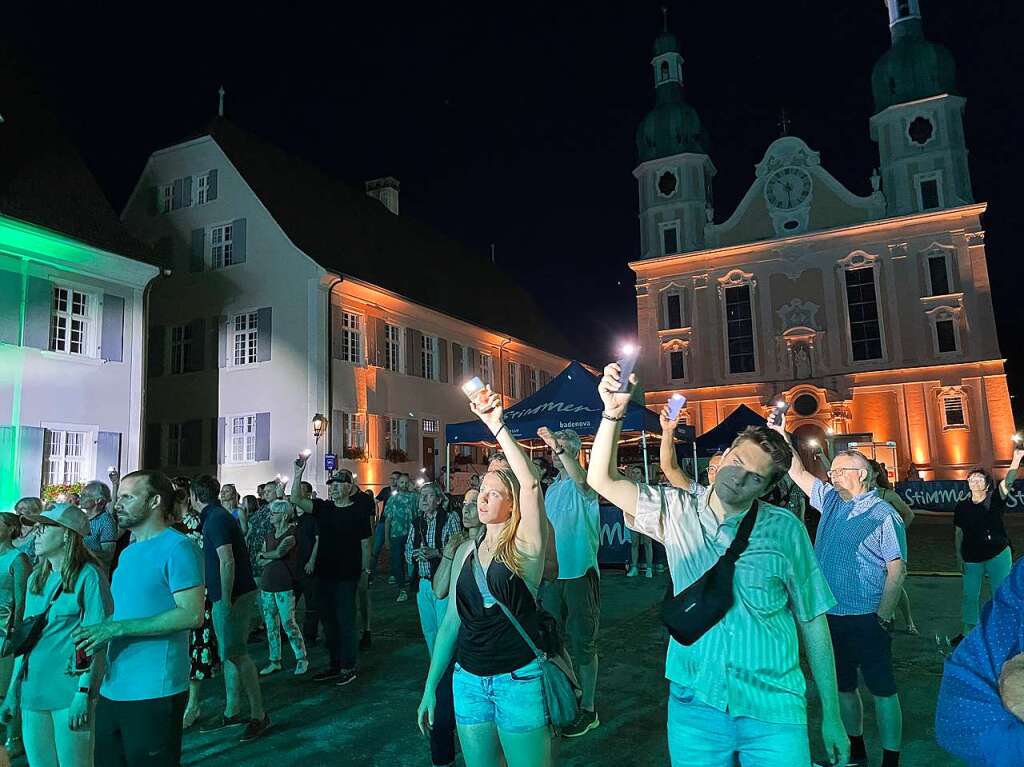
319	424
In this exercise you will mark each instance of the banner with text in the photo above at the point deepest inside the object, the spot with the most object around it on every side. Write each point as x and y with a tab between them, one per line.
945	494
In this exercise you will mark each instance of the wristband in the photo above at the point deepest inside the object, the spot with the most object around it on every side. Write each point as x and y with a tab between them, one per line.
559	452
499	431
607	417
86	690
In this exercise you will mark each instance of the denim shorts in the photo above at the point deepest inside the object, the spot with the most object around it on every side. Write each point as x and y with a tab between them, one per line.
514	701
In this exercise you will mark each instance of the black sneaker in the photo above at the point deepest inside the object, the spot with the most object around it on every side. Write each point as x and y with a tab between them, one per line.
255	729
346	676
222	722
364	642
326	675
585	722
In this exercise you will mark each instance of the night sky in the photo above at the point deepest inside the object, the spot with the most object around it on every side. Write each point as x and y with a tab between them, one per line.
514	124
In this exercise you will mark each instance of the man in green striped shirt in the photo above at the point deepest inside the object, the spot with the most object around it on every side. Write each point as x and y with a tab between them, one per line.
738	690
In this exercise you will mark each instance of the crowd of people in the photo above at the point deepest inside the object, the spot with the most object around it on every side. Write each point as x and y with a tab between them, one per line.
119	602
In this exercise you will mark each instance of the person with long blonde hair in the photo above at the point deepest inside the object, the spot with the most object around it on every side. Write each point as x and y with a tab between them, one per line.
55	686
497	685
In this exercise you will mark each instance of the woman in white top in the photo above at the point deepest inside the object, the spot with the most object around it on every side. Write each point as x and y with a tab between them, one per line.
56	687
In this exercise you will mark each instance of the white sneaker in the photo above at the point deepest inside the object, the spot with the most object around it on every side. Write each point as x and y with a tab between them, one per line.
631	572
301	667
650	573
271	668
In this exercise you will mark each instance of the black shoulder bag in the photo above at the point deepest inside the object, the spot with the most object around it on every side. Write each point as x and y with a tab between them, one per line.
22	638
692	612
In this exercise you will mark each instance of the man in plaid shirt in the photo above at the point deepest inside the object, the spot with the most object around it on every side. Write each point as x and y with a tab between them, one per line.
430	531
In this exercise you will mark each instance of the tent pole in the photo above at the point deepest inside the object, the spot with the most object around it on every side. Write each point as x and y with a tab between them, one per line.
448	466
643	441
695	470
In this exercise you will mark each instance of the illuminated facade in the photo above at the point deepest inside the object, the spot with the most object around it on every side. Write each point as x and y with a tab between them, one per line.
292	294
871	315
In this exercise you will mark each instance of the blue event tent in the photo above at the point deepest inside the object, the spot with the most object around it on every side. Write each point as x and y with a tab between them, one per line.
569	401
721	437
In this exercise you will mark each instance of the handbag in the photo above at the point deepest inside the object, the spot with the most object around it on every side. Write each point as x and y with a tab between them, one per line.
562	692
22	638
692	612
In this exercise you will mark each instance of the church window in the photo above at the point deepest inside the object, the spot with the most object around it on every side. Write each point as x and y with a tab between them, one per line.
664	71
902	8
862	305
739	329
929	190
667	183
945	335
670	238
805	405
938	275
674	310
954	411
920	130
676	365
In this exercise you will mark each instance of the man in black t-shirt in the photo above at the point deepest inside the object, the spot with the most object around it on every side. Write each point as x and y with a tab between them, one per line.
342	562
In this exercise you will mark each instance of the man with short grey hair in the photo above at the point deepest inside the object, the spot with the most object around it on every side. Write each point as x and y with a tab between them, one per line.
102	538
861	546
574	598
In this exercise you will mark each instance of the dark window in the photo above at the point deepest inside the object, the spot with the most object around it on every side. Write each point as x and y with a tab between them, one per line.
674	303
902	8
920	130
930	194
954	410
865	333
677	369
670	238
946	334
667	183
805	405
664	71
938	275
740	329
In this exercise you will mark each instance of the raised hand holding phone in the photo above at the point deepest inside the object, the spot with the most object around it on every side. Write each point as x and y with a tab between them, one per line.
778	415
614	393
627	363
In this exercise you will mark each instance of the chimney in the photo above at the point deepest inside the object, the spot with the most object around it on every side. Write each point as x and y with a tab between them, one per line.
385	190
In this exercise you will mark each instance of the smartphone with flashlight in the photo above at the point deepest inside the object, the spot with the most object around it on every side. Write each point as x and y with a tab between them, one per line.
778	413
1018	440
627	363
675	404
473	389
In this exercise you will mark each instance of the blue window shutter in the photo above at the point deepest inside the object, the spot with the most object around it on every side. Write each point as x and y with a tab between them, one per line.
263	436
211	185
177	190
108	452
112	339
238	240
442	360
10	301
222	342
38	305
264	334
221	426
25	443
155	353
186	192
198	254
195	360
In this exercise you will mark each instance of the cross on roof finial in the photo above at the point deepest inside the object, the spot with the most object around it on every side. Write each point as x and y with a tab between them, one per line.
783	124
220	103
664	14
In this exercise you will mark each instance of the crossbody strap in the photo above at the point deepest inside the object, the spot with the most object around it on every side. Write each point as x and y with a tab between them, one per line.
481	580
739	543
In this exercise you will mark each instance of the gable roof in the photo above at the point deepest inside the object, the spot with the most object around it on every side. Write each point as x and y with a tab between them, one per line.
43	179
349	233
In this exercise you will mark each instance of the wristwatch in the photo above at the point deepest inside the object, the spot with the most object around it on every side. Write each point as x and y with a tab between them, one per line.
885	624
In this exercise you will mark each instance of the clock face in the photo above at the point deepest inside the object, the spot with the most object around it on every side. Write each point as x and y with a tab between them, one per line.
788	188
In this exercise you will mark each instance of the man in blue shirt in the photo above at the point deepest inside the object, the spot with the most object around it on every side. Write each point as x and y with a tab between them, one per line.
232	592
158	598
973	720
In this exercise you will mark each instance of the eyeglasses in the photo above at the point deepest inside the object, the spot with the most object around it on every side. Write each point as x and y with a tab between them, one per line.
833	472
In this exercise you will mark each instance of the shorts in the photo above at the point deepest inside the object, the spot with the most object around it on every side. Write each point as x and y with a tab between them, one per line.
575	604
232	625
514	702
859	641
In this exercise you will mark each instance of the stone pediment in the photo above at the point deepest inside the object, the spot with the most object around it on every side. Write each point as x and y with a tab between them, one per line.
792	194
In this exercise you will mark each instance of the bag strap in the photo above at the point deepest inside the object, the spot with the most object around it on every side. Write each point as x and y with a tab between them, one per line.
478	573
739	543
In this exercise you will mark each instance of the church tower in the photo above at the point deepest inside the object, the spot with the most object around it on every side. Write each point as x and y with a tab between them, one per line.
674	171
918	123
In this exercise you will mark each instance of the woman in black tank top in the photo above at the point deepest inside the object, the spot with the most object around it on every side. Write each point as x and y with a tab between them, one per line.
497	686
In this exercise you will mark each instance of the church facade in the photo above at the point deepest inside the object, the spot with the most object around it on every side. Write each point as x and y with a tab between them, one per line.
871	316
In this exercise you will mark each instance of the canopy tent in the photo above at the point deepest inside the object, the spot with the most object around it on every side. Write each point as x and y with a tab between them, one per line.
569	401
721	437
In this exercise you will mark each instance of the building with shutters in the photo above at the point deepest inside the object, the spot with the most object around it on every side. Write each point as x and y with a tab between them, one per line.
72	286
870	314
293	294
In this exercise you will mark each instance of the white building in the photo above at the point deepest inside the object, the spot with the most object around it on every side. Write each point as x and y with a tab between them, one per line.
293	294
71	312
